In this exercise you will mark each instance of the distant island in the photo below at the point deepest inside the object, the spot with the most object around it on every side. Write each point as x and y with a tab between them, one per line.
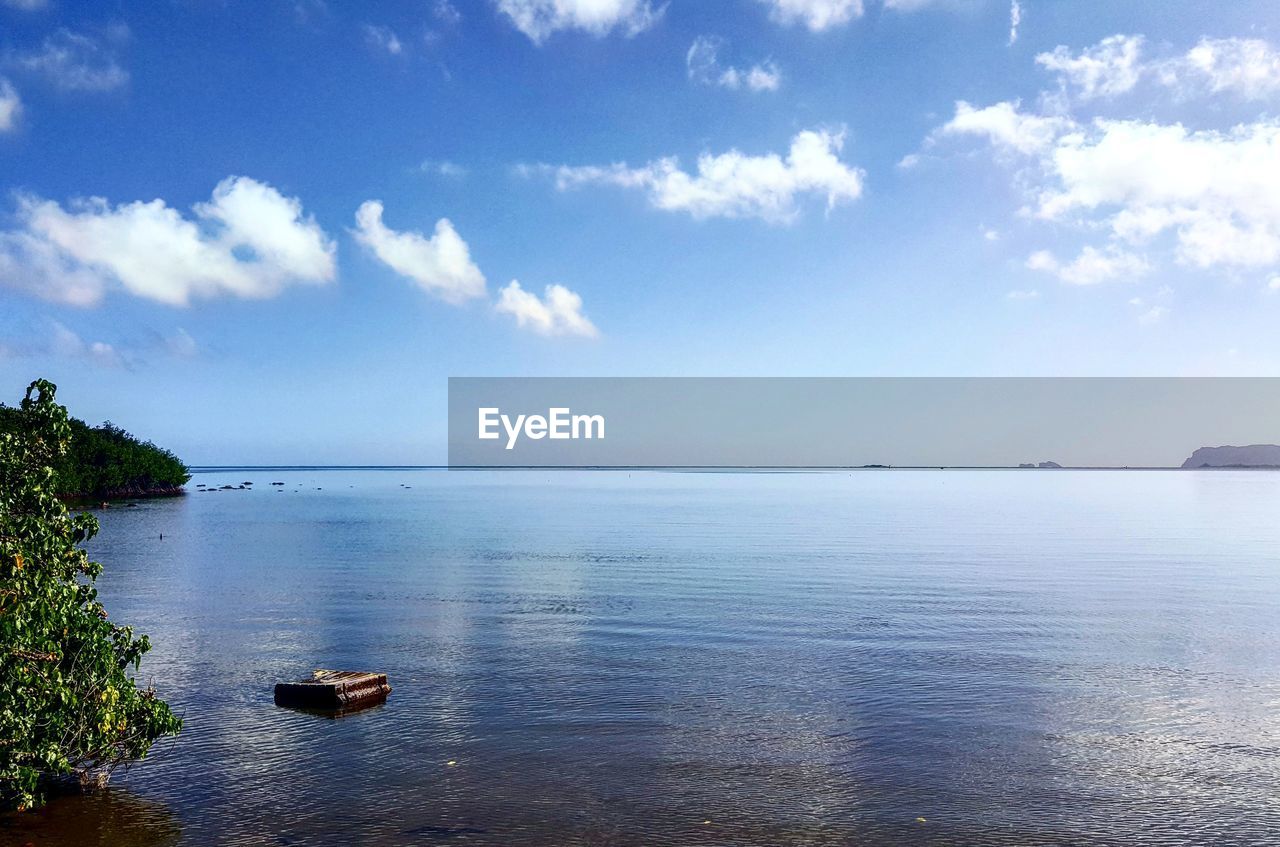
1252	456
1041	465
104	462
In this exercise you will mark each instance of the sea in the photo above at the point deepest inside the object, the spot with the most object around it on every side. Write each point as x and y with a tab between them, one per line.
868	657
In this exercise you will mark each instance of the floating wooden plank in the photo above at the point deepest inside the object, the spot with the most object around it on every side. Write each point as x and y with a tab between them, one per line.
342	690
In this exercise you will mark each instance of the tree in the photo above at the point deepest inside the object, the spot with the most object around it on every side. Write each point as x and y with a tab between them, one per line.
70	704
106	461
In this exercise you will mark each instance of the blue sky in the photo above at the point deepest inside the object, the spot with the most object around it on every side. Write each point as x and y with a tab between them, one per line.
719	187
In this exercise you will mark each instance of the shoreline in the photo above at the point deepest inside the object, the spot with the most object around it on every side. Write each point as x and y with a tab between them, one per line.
123	493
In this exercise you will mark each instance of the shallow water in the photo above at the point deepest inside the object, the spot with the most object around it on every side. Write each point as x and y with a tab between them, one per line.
612	658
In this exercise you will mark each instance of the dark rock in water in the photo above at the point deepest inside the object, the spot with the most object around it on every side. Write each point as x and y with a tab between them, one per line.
277	483
1027	465
247	482
1251	456
1049	465
334	690
228	488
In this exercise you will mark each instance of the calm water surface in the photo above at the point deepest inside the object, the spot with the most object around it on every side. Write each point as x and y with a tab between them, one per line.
875	658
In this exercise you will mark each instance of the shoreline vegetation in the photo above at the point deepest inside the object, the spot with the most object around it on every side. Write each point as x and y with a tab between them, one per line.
107	463
73	707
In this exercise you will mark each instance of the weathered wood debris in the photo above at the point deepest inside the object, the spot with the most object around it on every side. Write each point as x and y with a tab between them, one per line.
343	690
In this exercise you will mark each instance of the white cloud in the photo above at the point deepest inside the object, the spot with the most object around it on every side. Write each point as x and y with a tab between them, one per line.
25	5
54	338
76	62
1217	192
66	343
1210	196
908	5
10	106
440	264
1247	67
1005	126
442	167
1091	267
1015	21
1109	68
309	11
249	241
557	312
1153	315
703	62
383	38
446	12
1023	294
817	15
1273	284
182	345
733	184
539	19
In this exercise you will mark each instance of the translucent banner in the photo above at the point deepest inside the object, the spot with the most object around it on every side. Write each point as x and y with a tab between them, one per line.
864	422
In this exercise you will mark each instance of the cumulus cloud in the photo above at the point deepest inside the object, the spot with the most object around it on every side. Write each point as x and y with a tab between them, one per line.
74	61
734	184
1005	126
539	19
1247	68
557	312
1091	267
704	66
1015	21
1108	68
249	241
817	15
10	106
1209	197
383	38
1218	193
440	264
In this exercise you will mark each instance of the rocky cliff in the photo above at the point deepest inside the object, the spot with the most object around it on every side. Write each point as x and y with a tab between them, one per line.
1252	456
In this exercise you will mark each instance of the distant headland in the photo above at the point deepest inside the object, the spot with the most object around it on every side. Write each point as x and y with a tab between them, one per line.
105	462
1251	456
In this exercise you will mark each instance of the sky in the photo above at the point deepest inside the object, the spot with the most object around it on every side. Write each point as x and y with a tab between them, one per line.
268	232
